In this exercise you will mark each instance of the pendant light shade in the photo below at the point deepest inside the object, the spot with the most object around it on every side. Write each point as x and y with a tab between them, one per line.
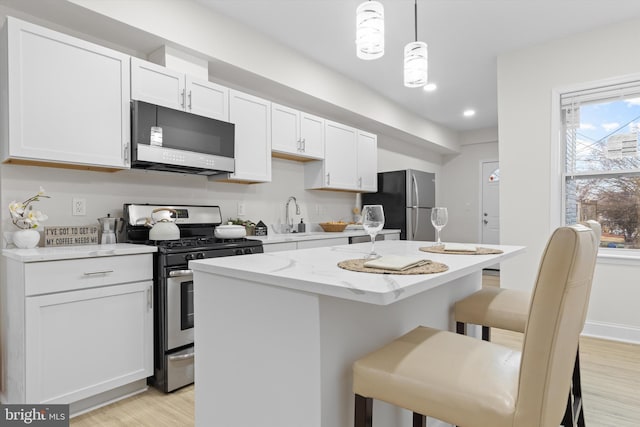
416	64
370	30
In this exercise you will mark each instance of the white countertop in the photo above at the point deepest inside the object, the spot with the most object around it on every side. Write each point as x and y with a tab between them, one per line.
315	270
71	252
314	235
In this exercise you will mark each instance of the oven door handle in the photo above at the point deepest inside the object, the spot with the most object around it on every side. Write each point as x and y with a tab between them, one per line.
180	273
182	356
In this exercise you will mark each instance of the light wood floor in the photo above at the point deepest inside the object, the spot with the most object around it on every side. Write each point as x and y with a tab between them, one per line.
610	383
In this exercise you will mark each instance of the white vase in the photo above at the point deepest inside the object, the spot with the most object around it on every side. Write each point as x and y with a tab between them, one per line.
26	239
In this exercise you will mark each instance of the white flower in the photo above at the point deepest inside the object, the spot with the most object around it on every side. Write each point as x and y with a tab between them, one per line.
23	215
16	209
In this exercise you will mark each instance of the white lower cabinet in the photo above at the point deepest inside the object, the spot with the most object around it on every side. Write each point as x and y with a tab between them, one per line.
82	343
79	327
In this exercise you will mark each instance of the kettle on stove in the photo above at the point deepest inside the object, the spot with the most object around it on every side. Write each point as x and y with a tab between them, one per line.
108	227
164	227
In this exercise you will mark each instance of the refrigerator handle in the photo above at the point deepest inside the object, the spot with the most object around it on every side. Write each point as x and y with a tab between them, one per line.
416	205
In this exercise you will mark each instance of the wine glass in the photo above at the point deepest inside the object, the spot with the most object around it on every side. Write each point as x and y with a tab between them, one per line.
439	217
372	222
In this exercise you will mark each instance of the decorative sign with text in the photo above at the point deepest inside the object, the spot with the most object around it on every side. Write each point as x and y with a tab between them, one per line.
71	235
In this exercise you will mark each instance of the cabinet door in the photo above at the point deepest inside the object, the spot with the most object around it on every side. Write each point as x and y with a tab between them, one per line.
367	161
81	343
340	156
156	84
252	117
68	100
207	99
312	135
285	130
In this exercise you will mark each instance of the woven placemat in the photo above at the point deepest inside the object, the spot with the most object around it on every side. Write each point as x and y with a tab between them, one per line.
439	249
358	265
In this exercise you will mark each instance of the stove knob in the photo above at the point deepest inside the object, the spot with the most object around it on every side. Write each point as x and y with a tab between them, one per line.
238	251
200	255
248	251
189	257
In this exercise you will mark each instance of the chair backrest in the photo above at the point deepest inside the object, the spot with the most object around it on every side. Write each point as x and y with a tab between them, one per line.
596	227
556	318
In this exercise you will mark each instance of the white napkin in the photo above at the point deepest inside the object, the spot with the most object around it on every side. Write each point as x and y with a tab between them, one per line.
396	262
459	247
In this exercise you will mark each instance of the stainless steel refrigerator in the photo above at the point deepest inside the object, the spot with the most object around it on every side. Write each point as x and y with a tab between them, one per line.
407	197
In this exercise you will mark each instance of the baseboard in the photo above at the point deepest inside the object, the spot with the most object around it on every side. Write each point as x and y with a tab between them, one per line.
94	402
612	331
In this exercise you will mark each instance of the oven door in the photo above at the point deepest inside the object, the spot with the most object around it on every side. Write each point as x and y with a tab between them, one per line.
179	322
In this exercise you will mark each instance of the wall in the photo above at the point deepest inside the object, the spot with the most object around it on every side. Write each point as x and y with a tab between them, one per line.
106	193
526	80
461	190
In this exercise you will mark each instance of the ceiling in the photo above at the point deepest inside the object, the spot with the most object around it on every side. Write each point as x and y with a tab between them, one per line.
465	37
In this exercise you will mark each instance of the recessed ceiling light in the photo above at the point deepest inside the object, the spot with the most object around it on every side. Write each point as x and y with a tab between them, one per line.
469	113
430	87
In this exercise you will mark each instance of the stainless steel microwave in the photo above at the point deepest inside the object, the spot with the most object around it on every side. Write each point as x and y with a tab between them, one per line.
176	141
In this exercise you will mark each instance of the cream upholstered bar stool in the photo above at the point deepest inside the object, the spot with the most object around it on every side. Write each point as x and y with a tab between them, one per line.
474	383
508	309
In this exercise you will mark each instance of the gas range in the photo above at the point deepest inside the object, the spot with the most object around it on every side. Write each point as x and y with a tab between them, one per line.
184	250
173	282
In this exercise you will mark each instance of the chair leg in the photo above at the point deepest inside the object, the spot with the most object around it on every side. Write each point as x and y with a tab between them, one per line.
419	420
363	416
486	333
574	412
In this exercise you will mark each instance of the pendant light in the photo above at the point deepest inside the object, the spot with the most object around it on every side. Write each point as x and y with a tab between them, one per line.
370	30
416	63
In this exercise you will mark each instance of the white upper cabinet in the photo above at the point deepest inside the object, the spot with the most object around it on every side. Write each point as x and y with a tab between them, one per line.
252	118
295	134
65	100
367	162
350	161
159	85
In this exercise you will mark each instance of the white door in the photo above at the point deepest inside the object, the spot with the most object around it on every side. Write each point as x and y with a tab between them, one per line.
490	203
312	134
207	99
252	117
340	156
367	161
156	84
285	132
82	343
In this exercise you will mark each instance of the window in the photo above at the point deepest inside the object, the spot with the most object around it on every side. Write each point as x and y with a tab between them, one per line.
602	161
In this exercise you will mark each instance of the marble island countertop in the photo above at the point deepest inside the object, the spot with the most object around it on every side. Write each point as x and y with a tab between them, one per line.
314	235
316	271
54	253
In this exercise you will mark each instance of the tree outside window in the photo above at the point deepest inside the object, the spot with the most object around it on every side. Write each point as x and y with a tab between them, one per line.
602	163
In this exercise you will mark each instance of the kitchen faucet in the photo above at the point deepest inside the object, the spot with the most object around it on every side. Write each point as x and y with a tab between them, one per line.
289	225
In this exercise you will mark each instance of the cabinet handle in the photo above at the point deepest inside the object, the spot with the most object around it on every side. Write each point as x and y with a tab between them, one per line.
182	95
189	100
328	178
150	298
360	182
96	273
304	145
126	153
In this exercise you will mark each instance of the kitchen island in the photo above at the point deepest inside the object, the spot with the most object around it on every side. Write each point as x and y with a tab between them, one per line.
277	333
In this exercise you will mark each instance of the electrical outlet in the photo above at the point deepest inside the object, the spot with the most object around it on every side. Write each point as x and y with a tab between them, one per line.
79	206
241	211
